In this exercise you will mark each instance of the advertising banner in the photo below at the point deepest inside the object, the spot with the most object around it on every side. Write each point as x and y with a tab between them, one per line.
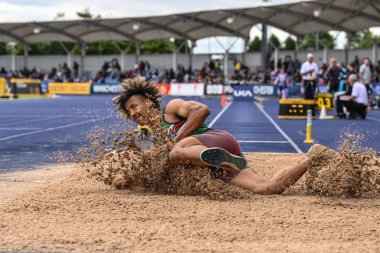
25	86
104	88
187	89
264	90
70	88
243	92
217	89
164	88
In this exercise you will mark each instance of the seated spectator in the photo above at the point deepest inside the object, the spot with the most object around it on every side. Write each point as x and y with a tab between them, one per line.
355	103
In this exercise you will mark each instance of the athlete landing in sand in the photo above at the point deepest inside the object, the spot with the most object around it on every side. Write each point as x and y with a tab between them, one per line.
191	141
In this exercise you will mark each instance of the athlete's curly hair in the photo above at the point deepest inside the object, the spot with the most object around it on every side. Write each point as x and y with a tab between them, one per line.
137	86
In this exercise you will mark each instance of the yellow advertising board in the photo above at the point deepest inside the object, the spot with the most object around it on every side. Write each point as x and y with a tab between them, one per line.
25	80
70	88
3	86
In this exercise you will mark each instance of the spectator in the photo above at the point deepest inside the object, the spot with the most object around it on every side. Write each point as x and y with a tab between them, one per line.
309	71
366	75
76	69
355	103
343	74
282	83
333	74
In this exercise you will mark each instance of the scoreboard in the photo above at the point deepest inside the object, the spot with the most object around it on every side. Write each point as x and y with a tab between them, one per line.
324	99
296	108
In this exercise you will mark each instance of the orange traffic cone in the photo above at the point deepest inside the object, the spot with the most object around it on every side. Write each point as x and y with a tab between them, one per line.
223	100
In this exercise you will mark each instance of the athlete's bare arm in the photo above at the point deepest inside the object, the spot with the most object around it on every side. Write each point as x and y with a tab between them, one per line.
195	113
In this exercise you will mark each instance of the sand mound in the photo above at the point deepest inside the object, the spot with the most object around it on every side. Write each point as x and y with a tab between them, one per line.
137	165
353	171
119	159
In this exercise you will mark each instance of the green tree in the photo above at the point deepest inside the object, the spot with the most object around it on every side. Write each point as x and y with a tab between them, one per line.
364	39
255	45
3	48
324	39
289	44
86	14
274	42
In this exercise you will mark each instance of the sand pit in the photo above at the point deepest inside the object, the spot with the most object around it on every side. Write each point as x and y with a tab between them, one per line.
68	212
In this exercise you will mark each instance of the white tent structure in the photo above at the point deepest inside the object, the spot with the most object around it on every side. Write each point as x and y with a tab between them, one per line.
297	18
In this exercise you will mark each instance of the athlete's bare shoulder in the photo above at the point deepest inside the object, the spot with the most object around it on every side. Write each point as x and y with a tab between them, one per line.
174	105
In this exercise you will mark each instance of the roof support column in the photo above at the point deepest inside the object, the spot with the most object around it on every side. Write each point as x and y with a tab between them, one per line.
13	61
264	45
276	57
26	53
225	67
374	53
297	48
82	55
69	53
192	45
137	56
246	43
347	48
122	54
174	62
325	54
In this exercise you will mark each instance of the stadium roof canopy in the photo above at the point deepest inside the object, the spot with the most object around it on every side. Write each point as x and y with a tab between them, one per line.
297	18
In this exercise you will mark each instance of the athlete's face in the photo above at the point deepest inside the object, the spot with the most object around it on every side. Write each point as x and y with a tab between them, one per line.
137	107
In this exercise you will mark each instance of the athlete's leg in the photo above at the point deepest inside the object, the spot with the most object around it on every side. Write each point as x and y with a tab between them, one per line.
249	179
187	150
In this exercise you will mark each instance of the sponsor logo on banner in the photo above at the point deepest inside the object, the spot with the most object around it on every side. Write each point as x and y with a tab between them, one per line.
70	88
217	89
25	86
187	89
105	88
243	93
264	90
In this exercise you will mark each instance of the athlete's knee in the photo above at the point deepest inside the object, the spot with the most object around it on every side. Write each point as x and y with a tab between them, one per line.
175	156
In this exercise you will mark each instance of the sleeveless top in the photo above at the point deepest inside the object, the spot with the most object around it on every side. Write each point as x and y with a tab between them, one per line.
282	79
173	128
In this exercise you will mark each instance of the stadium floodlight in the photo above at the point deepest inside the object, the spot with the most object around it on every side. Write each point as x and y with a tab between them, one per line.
317	12
136	26
36	30
172	39
230	20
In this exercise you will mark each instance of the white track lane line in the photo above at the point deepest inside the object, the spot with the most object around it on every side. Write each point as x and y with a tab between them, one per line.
20	128
374	119
279	129
219	115
272	142
53	128
28	121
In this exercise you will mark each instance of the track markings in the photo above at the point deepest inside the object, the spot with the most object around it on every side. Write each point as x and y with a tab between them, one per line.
269	142
28	121
219	115
279	129
20	128
53	128
374	119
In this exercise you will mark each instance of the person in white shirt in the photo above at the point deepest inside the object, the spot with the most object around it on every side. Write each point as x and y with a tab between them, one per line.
356	103
366	75
309	72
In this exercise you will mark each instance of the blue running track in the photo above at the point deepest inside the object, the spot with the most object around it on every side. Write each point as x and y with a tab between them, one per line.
30	130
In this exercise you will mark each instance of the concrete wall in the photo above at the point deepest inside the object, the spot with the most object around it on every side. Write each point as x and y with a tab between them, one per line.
94	62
